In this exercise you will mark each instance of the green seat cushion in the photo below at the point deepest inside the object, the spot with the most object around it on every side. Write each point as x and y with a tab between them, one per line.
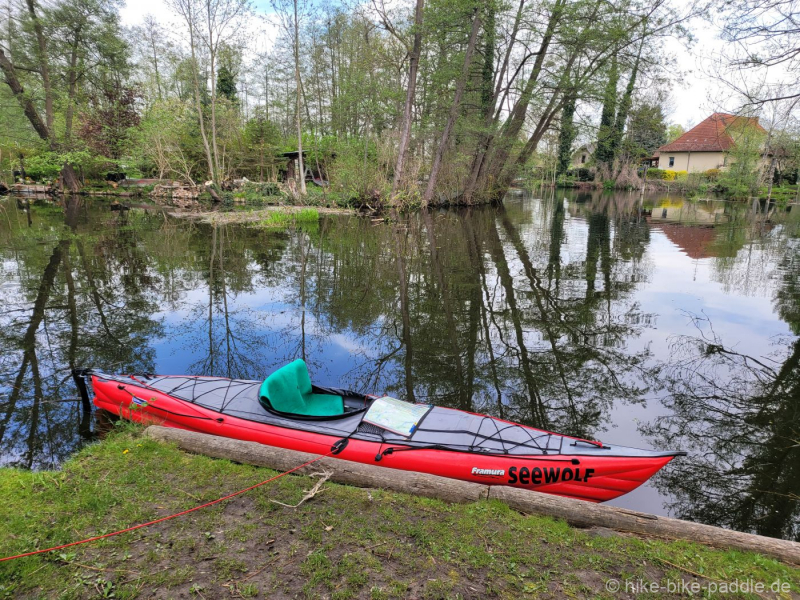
320	405
289	390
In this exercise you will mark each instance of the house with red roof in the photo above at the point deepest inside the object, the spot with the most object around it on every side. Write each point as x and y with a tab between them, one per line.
707	145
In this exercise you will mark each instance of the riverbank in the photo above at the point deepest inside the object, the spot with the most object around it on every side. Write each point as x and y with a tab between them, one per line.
268	217
342	543
690	187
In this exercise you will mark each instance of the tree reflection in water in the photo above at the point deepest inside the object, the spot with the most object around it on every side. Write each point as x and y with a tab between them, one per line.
739	417
533	311
65	307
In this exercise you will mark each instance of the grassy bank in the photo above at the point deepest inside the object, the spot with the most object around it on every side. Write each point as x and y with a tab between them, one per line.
270	217
343	543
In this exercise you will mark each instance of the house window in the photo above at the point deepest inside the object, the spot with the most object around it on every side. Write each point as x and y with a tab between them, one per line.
583	159
671	161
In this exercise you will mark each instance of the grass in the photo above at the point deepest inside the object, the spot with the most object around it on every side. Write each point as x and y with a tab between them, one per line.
280	219
344	543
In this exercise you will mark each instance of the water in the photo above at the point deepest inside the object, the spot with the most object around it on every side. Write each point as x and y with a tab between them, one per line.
660	323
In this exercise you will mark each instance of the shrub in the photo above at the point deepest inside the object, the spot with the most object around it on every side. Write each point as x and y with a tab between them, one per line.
680	175
354	179
566	181
47	165
254	194
712	174
653	173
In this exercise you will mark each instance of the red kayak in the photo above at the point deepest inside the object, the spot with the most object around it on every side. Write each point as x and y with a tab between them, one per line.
287	411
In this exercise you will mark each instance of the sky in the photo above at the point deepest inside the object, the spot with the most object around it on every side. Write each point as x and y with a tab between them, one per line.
694	96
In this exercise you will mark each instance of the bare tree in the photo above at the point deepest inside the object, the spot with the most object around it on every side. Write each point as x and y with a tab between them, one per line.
455	107
764	35
211	24
290	14
411	88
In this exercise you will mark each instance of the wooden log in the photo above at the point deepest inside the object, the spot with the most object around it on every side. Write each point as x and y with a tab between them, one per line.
574	512
587	514
344	471
209	185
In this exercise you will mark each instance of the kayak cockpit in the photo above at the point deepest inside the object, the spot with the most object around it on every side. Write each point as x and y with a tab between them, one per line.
288	391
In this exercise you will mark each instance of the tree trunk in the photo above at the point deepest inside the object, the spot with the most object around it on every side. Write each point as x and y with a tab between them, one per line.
213	193
625	104
454	109
486	137
487	72
72	79
44	64
197	100
405	132
69	180
155	63
24	100
604	153
505	141
566	135
299	92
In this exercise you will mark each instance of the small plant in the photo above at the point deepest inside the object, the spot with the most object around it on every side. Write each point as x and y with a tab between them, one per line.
281	219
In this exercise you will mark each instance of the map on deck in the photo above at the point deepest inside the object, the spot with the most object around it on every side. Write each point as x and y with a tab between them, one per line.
396	415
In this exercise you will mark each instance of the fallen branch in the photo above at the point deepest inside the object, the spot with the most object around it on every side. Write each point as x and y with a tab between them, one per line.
312	492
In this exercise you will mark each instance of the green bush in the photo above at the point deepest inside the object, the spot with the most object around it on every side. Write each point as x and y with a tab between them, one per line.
47	165
355	180
653	173
581	174
255	194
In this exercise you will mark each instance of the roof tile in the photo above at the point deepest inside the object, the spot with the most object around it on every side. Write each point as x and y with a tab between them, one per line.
711	135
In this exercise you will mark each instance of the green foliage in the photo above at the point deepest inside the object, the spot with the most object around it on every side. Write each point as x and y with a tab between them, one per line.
355	174
746	172
604	154
646	129
226	83
167	143
665	175
581	174
674	132
566	135
46	166
255	194
108	122
281	219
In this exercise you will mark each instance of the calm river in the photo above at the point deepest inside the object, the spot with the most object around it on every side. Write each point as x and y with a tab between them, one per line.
662	323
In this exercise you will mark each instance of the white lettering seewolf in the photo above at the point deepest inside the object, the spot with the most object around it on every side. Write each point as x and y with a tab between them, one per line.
488	472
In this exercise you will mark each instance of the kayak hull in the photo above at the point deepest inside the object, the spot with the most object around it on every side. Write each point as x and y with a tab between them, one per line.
595	477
